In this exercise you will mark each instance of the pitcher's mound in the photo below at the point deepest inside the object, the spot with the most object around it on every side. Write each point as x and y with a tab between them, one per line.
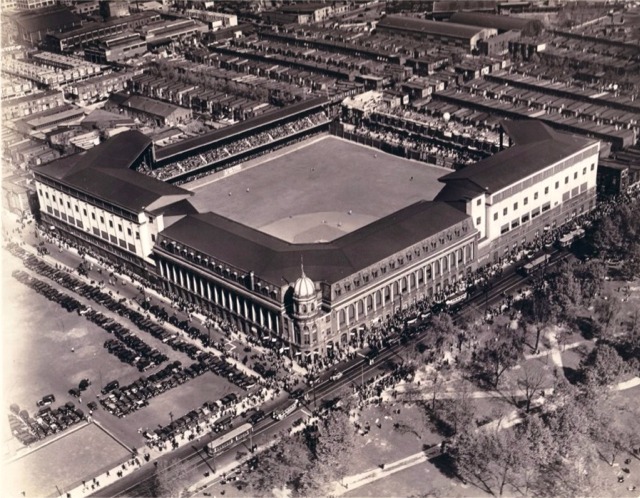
312	228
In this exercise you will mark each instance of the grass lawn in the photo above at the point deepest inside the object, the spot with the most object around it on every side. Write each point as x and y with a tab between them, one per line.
62	463
289	195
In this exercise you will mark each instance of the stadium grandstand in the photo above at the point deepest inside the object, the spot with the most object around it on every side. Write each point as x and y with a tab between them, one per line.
198	155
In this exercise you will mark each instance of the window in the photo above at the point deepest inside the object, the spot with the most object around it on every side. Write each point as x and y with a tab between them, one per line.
110	224
526	201
137	235
566	180
153	238
515	223
505	211
478	220
546	190
546	206
93	216
40	191
515	206
535	196
557	185
495	216
46	194
479	202
84	212
77	209
129	232
593	166
575	175
68	204
102	219
535	212
504	229
525	218
53	198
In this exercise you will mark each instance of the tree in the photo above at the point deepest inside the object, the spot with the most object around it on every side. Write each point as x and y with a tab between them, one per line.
436	383
603	366
607	309
537	448
537	312
531	381
459	411
442	332
498	354
172	476
590	277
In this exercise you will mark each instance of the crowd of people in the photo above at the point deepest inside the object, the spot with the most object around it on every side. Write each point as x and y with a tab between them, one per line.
240	146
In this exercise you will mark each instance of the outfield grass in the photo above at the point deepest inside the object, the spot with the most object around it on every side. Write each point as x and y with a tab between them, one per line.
318	181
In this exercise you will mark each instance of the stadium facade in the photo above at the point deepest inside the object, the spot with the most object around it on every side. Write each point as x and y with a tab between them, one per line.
312	298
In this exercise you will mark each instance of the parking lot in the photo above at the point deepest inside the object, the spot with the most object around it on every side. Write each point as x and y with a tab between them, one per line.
50	351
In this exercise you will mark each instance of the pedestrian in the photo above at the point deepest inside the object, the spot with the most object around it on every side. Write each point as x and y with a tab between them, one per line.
73	350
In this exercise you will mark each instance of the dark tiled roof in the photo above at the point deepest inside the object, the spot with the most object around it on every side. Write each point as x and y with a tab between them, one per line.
50	19
103	172
249	124
537	146
501	23
429	27
273	259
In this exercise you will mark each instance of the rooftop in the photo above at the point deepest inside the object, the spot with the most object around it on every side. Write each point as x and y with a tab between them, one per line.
49	19
104	172
274	259
537	146
427	27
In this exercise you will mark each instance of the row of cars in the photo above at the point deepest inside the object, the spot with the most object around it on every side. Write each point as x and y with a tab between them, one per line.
45	422
128	348
193	419
120	401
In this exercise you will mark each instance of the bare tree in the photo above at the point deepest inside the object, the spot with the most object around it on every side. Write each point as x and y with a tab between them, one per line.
531	381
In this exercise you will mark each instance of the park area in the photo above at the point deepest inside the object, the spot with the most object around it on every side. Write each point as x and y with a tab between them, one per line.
317	190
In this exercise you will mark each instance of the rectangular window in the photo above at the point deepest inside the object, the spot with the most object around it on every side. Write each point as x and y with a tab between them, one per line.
535	212
584	170
110	224
68	204
96	231
479	202
565	197
119	227
526	201
525	218
515	223
137	235
46	194
546	206
575	175
153	238
495	216
546	190
77	209
557	185
129	232
504	229
478	220
515	206
593	166
566	180
504	212
102	219
535	196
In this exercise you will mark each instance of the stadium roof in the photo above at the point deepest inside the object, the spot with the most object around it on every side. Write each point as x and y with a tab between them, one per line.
537	146
274	259
104	172
428	27
501	23
95	25
211	138
49	19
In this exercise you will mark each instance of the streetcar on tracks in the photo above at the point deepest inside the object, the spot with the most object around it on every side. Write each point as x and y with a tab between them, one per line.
533	265
227	440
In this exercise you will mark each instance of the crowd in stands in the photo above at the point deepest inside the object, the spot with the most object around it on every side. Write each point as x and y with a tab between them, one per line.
234	148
